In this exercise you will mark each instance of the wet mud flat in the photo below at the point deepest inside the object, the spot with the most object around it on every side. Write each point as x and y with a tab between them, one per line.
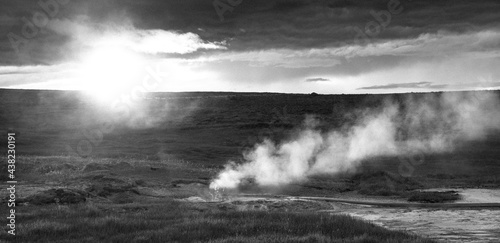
446	225
475	218
477	224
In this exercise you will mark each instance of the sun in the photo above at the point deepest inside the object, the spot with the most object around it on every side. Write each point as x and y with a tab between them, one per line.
105	72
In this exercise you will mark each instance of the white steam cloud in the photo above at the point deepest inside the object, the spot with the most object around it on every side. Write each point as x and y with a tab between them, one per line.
434	123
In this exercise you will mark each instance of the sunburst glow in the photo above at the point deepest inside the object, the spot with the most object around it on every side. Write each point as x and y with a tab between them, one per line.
105	72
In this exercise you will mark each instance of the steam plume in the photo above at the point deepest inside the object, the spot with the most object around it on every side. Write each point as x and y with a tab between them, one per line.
434	123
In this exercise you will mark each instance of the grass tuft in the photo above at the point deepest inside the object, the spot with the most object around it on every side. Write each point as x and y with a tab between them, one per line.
173	221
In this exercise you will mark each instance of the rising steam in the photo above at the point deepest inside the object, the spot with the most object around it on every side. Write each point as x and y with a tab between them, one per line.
434	123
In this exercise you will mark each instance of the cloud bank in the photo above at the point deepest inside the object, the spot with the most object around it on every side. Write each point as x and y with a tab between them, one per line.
149	41
317	80
273	42
431	86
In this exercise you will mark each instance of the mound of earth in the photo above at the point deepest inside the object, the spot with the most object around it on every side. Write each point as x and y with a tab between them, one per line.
188	182
122	166
434	197
95	166
382	183
105	186
59	196
55	167
122	198
90	167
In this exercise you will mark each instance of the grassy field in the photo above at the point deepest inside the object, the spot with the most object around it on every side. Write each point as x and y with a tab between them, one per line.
208	129
131	200
134	176
170	221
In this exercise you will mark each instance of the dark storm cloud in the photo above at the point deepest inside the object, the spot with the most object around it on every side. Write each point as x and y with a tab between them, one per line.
317	80
16	72
420	85
260	24
276	39
306	24
431	86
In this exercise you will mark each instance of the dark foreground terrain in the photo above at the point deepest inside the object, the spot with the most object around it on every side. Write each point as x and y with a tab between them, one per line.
87	174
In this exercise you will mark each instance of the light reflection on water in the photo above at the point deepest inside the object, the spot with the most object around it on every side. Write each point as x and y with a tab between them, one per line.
447	225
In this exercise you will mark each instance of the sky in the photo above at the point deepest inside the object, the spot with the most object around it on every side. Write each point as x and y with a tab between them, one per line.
292	46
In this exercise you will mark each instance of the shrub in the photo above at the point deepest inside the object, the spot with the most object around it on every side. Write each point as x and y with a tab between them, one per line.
433	197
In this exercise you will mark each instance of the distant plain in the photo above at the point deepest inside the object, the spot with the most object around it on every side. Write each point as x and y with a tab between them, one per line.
137	177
